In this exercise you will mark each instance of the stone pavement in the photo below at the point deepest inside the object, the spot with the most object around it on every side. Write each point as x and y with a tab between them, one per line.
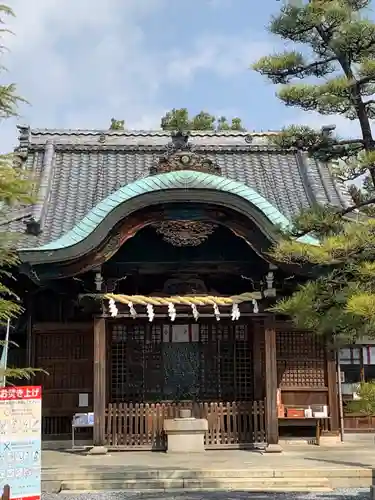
352	454
226	495
298	468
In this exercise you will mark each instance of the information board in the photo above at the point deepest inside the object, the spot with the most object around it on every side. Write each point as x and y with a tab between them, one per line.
20	441
83	420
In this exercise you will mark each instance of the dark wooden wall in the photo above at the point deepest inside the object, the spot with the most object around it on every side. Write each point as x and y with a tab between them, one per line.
65	352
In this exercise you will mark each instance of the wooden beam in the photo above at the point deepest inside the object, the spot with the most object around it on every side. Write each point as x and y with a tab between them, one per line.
333	400
58	327
271	381
258	362
99	389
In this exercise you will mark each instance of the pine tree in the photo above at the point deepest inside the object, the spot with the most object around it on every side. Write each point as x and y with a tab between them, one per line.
16	189
178	119
336	70
117	124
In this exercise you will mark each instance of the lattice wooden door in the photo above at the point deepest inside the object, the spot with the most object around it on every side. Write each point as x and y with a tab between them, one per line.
208	363
218	361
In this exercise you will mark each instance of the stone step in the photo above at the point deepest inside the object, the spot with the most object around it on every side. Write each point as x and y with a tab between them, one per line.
116	472
250	484
117	478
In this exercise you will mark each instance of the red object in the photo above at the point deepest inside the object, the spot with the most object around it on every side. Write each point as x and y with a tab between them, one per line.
295	413
34	497
27	392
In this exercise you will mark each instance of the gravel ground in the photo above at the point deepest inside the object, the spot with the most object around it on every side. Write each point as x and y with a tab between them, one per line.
348	494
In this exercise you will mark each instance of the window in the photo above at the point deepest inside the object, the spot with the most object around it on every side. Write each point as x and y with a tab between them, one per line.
351	365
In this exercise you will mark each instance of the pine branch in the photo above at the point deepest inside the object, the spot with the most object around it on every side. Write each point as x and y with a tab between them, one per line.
361	81
280	68
21	373
356	207
336	214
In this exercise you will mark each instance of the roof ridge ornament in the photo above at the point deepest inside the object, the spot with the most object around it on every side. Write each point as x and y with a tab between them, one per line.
181	155
21	151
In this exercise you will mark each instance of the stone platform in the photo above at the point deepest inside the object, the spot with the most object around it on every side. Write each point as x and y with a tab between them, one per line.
298	468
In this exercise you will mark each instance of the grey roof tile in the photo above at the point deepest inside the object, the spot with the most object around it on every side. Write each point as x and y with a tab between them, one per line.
84	169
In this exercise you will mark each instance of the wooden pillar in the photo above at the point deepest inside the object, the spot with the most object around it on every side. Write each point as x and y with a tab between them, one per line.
258	365
333	399
6	493
272	425
99	390
30	351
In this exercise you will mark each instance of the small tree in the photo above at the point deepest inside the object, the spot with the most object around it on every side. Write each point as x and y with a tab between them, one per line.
366	402
117	124
340	50
178	119
16	189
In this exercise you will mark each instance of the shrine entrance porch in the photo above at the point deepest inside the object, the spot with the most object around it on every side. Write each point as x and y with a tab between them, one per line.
155	370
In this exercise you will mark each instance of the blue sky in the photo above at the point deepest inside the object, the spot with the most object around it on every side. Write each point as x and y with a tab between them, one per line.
81	62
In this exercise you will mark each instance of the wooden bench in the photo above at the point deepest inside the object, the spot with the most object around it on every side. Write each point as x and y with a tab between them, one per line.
304	422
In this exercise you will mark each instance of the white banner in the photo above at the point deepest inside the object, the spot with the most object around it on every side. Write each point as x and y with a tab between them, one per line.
20	441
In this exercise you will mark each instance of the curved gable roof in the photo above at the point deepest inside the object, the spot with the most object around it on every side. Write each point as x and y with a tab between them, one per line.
76	169
166	182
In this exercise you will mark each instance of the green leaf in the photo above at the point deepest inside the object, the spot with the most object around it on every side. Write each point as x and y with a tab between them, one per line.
366	403
179	119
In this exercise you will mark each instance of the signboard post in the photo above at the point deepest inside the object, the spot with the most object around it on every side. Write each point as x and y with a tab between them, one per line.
20	442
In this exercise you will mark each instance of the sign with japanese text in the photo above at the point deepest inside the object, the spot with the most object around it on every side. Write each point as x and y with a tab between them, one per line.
20	441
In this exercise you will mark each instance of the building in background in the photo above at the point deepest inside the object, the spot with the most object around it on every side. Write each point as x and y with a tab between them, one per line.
357	364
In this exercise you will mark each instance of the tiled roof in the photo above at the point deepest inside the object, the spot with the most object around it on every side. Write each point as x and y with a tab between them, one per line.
79	168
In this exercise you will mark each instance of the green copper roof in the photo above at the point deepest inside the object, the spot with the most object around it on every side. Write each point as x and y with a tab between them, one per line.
172	180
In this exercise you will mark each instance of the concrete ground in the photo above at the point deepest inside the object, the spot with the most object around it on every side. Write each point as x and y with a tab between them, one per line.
347	466
353	494
352	454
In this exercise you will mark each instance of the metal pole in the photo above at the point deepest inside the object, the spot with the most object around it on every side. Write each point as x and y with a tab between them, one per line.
341	410
4	356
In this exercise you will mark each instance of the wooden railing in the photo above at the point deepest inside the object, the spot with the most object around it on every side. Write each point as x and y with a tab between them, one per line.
357	422
230	425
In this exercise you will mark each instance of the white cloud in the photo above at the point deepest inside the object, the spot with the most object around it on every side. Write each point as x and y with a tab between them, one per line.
84	54
223	55
82	62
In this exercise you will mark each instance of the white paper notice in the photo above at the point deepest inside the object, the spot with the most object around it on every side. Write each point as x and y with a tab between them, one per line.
180	333
166	333
20	441
83	400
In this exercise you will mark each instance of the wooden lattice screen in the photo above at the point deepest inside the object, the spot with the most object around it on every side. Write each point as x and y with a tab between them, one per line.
300	360
67	357
215	363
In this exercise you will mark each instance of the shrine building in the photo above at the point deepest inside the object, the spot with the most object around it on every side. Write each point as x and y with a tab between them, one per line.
147	283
